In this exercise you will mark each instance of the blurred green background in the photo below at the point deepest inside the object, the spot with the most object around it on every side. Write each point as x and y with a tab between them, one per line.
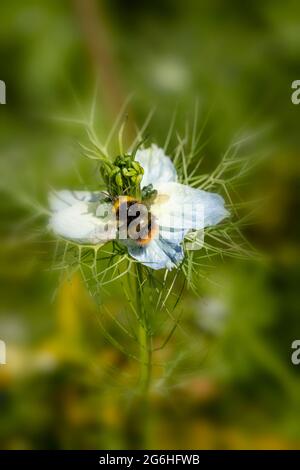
228	381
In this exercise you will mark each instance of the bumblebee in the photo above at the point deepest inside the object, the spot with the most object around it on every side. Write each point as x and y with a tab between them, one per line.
134	220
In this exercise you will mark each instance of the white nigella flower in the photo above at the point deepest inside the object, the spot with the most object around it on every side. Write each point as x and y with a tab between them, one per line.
174	209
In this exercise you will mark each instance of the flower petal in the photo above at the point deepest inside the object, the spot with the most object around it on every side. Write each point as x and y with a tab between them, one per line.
82	217
158	254
186	207
180	208
59	200
158	167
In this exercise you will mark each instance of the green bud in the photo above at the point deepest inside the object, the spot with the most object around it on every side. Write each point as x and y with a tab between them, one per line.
138	179
136	166
128	162
114	172
124	175
119	180
132	172
148	193
128	173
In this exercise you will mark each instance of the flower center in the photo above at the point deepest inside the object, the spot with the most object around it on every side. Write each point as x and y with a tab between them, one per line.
123	176
135	220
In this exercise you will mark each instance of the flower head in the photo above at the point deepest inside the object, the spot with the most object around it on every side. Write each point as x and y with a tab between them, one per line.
145	208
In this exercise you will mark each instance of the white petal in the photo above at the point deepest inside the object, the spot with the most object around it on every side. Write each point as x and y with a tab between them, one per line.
82	217
158	167
180	208
59	200
158	254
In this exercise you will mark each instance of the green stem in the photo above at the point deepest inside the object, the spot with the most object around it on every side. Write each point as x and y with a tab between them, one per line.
145	357
137	422
144	337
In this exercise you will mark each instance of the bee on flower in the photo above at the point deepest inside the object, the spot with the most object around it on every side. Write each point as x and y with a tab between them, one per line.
143	207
